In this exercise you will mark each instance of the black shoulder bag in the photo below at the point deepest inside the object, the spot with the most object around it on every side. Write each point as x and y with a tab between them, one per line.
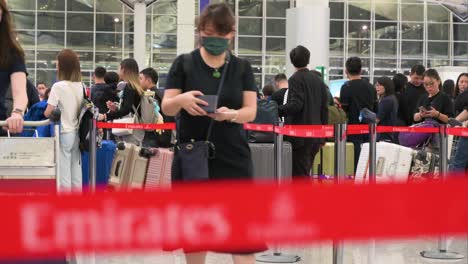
191	159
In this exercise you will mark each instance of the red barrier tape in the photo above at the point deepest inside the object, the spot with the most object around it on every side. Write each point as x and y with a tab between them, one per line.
165	126
389	129
229	217
458	131
306	131
258	127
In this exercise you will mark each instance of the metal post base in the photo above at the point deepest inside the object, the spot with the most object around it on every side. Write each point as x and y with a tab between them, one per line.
438	254
278	258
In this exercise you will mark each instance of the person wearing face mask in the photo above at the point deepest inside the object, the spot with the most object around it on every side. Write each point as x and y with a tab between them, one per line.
414	90
387	113
200	73
435	104
461	93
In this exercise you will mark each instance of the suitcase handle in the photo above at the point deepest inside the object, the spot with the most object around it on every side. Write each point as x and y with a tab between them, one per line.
117	168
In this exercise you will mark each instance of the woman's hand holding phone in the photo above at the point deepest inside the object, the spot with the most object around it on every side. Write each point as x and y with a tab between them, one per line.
190	103
224	114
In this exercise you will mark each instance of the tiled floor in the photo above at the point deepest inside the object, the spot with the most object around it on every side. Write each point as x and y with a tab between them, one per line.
396	252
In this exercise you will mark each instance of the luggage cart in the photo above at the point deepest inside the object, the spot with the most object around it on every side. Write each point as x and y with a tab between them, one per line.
30	162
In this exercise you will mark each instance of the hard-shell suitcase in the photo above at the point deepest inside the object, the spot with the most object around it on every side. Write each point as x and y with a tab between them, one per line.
264	160
104	159
119	175
327	155
159	168
392	164
137	169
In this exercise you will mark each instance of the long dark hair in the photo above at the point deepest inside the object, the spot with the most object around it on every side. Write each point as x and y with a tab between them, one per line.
457	86
387	83
10	49
131	72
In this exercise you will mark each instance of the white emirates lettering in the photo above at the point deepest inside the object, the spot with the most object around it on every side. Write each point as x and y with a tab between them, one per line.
47	228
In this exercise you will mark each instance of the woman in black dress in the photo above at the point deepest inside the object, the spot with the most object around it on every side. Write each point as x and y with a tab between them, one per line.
199	73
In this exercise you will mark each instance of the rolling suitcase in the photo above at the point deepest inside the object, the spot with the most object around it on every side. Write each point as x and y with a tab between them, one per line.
159	168
104	159
324	162
119	175
264	160
392	164
137	169
128	168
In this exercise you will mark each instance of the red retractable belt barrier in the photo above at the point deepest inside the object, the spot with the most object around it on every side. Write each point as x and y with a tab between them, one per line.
165	126
229	216
458	131
259	127
306	131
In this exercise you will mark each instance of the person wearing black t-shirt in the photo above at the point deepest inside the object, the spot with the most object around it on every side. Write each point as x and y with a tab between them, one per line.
387	113
237	104
281	83
414	90
400	81
435	105
355	95
12	72
461	93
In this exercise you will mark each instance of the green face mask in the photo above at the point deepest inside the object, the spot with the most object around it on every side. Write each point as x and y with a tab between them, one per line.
215	45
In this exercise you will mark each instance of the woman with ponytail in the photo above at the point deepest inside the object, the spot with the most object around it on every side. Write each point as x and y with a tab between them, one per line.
130	97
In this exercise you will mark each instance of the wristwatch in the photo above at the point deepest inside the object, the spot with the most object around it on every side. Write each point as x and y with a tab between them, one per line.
18	111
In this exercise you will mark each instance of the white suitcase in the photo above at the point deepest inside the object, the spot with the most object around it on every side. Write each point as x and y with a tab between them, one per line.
393	163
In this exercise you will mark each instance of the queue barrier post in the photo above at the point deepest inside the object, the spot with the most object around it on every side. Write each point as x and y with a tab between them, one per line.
340	171
277	256
442	252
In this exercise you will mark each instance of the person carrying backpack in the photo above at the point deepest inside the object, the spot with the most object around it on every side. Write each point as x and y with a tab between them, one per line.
155	139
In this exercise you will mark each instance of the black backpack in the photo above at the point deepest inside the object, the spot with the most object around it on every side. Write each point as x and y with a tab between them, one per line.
85	118
267	113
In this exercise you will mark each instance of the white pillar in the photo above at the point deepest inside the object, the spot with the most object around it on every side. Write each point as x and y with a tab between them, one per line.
139	34
185	26
309	25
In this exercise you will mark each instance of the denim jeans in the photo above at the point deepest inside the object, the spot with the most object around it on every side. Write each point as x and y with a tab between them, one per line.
70	177
459	161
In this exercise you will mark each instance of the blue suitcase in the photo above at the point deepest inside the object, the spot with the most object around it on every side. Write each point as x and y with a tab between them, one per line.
104	158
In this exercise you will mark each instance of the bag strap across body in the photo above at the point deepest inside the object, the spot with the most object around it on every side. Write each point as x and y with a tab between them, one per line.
187	67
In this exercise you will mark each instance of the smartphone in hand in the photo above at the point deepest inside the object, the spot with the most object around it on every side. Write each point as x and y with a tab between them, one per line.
212	101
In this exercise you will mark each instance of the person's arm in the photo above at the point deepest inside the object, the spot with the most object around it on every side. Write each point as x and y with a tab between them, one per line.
174	101
244	115
52	102
295	101
326	96
463	116
20	102
129	97
345	99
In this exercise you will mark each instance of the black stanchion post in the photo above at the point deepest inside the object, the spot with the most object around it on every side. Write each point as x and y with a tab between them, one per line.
93	151
372	173
442	252
340	171
277	256
372	152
